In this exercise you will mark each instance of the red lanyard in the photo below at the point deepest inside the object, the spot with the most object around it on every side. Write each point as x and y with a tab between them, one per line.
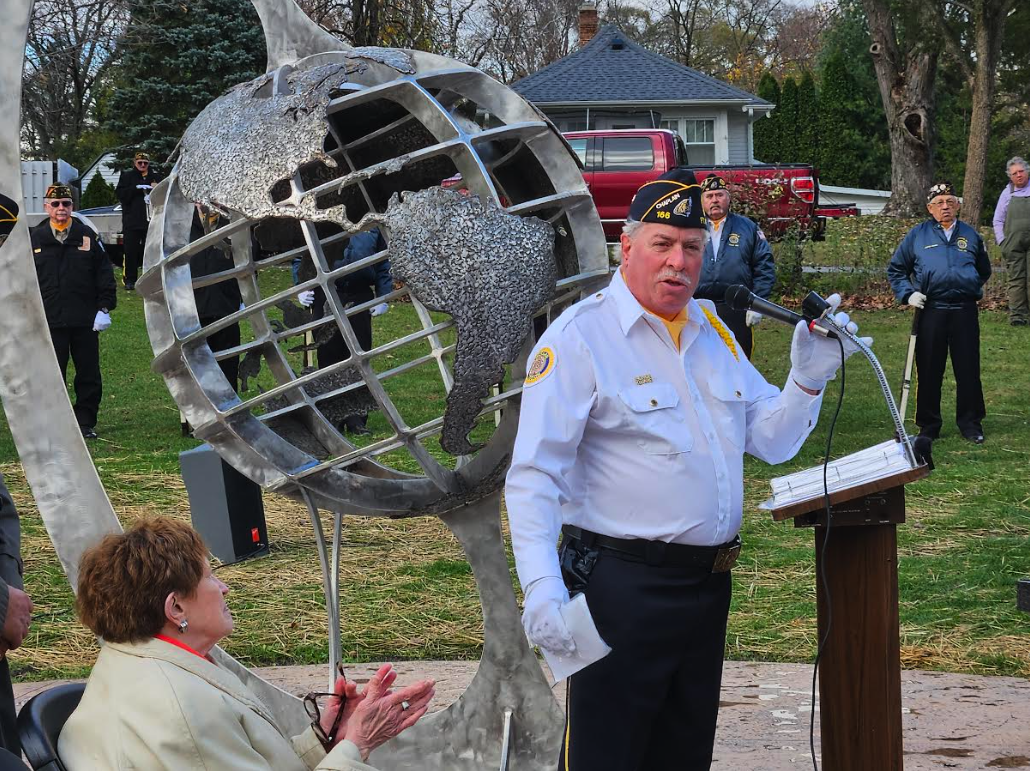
178	644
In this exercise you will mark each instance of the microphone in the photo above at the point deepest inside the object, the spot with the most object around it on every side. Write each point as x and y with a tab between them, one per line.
740	298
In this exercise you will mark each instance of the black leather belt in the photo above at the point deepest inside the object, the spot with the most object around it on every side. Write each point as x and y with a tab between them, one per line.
715	559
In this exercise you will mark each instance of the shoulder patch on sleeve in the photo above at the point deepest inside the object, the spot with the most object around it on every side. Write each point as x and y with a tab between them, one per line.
543	365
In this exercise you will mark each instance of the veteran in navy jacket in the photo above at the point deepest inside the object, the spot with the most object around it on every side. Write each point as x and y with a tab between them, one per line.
78	291
940	269
737	253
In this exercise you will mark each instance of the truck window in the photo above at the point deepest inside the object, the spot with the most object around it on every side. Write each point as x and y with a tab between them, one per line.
681	152
627	154
579	146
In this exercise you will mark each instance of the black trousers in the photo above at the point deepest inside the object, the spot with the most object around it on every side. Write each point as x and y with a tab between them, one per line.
943	332
133	242
652	703
219	341
737	322
8	716
84	346
335	349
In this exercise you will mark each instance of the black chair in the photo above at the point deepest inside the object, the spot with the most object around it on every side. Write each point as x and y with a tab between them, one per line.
41	720
11	762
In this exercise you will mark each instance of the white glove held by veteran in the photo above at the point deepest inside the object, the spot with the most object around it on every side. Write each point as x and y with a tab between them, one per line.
143	187
542	618
815	359
917	300
306	298
102	321
379	310
753	318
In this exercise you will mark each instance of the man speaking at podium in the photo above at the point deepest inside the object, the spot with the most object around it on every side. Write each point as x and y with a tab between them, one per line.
638	408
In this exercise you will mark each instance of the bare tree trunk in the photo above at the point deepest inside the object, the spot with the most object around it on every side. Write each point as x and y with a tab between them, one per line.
906	80
989	27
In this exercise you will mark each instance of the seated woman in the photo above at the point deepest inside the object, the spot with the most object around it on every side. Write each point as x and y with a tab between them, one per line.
156	700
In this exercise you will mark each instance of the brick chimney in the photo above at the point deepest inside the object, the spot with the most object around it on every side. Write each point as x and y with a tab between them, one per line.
587	22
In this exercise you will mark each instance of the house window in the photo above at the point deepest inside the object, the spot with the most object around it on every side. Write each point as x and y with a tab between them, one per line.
699	136
627	154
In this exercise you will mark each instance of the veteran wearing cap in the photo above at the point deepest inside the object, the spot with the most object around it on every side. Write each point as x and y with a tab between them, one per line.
940	268
78	290
737	253
637	410
133	190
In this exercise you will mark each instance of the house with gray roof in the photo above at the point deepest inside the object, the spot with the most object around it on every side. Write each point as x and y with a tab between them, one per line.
612	82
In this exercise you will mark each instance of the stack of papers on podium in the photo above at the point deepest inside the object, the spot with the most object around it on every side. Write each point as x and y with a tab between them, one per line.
878	462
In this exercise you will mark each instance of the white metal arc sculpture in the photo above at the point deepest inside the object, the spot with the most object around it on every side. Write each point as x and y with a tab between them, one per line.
333	141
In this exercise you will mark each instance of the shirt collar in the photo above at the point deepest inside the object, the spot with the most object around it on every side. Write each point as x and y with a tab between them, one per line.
630	311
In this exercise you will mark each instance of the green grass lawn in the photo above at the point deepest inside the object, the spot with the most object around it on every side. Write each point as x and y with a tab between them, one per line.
408	593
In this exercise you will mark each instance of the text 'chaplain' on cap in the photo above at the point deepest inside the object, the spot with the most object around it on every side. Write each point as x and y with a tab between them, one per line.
672	199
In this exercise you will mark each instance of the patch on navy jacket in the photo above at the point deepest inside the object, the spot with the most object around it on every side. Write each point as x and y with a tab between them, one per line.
734	239
962	244
542	366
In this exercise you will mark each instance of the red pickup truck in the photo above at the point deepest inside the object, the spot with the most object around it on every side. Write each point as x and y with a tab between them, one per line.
617	162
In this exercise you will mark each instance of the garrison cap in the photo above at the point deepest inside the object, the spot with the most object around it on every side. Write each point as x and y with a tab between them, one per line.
672	199
941	188
8	216
714	183
141	156
58	191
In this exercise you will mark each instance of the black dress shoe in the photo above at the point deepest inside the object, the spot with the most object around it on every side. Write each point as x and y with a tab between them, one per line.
88	432
974	438
1019	322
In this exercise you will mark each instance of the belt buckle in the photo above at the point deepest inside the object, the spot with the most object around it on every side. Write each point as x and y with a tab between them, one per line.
726	558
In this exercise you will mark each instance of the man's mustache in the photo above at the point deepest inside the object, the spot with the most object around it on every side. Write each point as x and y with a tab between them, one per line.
668	274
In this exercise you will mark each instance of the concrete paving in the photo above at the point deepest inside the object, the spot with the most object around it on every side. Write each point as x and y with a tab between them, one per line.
949	721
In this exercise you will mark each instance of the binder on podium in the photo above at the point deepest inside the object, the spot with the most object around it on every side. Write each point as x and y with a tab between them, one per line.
860	668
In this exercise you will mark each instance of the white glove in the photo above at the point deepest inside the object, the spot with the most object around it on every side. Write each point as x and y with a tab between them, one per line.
143	187
542	618
306	298
102	321
917	300
815	359
753	318
379	310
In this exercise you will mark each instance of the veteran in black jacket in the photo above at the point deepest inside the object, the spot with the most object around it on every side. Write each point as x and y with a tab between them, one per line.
216	301
133	191
77	285
940	268
737	252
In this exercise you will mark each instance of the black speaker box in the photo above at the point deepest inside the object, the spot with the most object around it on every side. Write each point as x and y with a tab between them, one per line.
225	506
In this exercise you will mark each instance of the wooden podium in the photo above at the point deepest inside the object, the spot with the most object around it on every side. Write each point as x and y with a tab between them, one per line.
860	668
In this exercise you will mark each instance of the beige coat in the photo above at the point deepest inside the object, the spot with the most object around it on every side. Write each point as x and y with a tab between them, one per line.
152	706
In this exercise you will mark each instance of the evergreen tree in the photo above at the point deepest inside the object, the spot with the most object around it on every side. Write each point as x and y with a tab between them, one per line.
767	130
855	148
808	121
98	193
176	58
788	111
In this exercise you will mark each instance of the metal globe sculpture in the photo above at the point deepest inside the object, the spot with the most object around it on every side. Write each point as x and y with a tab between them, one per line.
330	142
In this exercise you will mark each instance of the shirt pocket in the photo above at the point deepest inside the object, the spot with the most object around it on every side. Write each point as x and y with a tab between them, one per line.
654	420
729	409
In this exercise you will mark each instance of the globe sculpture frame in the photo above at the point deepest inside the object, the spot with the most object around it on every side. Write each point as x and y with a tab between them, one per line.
522	177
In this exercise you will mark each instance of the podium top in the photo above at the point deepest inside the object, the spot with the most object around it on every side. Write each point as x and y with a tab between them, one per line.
876	468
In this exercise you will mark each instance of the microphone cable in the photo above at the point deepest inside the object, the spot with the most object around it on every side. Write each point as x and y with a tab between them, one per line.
822	561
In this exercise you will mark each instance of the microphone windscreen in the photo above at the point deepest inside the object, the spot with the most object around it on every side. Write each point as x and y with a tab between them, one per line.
738	297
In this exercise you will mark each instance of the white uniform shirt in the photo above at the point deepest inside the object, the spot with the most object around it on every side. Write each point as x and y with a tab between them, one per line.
623	435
